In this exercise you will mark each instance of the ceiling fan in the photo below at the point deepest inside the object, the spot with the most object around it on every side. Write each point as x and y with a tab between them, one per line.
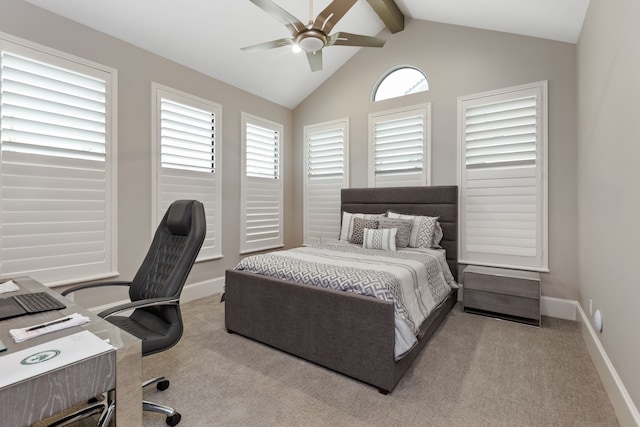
312	38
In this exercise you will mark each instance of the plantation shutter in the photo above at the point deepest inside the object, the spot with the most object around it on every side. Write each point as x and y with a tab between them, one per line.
325	175
188	160
262	185
56	182
503	206
400	148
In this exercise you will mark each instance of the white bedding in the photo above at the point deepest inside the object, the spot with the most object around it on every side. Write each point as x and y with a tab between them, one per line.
415	280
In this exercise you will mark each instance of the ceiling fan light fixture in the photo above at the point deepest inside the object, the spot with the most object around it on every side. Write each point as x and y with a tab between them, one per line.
315	36
311	40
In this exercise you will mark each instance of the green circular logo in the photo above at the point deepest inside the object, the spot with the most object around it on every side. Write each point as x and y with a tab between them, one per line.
40	357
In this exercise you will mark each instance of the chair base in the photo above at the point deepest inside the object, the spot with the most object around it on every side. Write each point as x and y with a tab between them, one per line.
173	417
106	408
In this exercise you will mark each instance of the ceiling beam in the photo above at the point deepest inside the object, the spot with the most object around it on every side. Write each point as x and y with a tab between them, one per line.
390	14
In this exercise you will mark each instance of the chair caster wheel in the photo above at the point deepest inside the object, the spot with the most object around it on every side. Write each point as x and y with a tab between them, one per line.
163	385
174	419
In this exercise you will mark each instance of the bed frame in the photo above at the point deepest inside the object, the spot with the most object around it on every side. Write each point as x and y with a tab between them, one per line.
348	333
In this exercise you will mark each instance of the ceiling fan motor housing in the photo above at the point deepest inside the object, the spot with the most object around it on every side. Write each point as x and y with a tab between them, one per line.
311	40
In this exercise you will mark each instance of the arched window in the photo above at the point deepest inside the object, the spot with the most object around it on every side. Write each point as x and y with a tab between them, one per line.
400	82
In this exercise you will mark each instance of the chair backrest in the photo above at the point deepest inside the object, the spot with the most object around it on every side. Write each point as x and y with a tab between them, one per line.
173	251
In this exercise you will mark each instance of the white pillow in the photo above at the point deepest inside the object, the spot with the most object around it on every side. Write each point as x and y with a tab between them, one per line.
346	230
424	230
382	238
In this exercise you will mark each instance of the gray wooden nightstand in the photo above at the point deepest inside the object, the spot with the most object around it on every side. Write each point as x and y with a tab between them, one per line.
499	292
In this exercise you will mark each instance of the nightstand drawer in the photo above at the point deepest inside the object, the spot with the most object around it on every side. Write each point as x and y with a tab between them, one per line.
502	285
502	304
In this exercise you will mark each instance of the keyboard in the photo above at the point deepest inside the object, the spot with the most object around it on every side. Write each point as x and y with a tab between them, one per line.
38	302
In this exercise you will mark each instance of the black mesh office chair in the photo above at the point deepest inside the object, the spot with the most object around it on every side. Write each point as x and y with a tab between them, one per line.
155	293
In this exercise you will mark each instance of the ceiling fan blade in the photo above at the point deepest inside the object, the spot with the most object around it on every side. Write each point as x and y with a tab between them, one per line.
292	23
315	60
268	45
332	14
348	39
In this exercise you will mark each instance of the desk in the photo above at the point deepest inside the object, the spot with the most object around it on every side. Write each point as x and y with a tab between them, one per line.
26	402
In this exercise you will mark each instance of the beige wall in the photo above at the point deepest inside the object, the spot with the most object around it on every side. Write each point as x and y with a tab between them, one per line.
136	70
608	176
462	61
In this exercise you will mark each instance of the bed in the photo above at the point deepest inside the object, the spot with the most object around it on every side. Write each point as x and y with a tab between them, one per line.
345	332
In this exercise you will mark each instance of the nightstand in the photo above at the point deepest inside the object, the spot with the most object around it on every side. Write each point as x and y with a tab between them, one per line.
503	293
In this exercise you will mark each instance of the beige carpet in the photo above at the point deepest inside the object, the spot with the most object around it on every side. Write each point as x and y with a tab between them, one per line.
477	371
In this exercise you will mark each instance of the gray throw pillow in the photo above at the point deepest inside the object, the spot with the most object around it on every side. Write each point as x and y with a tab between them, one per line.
403	226
359	225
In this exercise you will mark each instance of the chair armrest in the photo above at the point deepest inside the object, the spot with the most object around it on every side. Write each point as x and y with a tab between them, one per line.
94	285
152	302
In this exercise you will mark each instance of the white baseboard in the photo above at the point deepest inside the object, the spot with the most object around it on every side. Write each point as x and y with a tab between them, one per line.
202	289
625	409
558	308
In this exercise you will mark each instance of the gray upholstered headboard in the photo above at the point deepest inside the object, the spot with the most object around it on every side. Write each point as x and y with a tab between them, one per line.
439	201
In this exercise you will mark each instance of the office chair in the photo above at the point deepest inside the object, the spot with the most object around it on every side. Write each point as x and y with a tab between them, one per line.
155	293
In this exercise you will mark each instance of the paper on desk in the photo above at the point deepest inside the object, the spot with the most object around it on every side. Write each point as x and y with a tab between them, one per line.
22	334
36	360
8	286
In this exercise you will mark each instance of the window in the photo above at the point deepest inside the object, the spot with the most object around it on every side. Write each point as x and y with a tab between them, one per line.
261	216
400	147
325	171
503	207
186	159
57	166
400	82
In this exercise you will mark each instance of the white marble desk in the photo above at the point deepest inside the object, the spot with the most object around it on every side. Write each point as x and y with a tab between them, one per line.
29	401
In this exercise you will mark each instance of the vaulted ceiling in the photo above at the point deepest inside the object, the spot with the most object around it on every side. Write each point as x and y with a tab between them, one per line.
207	35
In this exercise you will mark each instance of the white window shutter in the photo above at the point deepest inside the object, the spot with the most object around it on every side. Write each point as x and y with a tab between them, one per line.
262	191
503	178
56	180
187	159
400	147
325	169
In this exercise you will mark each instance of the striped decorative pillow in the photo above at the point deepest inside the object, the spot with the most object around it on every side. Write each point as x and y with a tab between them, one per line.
423	231
403	226
384	239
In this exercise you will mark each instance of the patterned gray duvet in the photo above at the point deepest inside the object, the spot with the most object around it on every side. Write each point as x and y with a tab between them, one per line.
415	280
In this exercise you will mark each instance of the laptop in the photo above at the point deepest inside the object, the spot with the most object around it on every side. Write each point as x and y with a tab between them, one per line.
36	302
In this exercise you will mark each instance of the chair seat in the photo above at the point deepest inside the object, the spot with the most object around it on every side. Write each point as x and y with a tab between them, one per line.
155	334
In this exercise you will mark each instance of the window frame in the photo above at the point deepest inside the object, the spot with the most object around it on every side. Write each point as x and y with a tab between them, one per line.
213	208
385	76
85	67
340	124
396	114
247	245
540	262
